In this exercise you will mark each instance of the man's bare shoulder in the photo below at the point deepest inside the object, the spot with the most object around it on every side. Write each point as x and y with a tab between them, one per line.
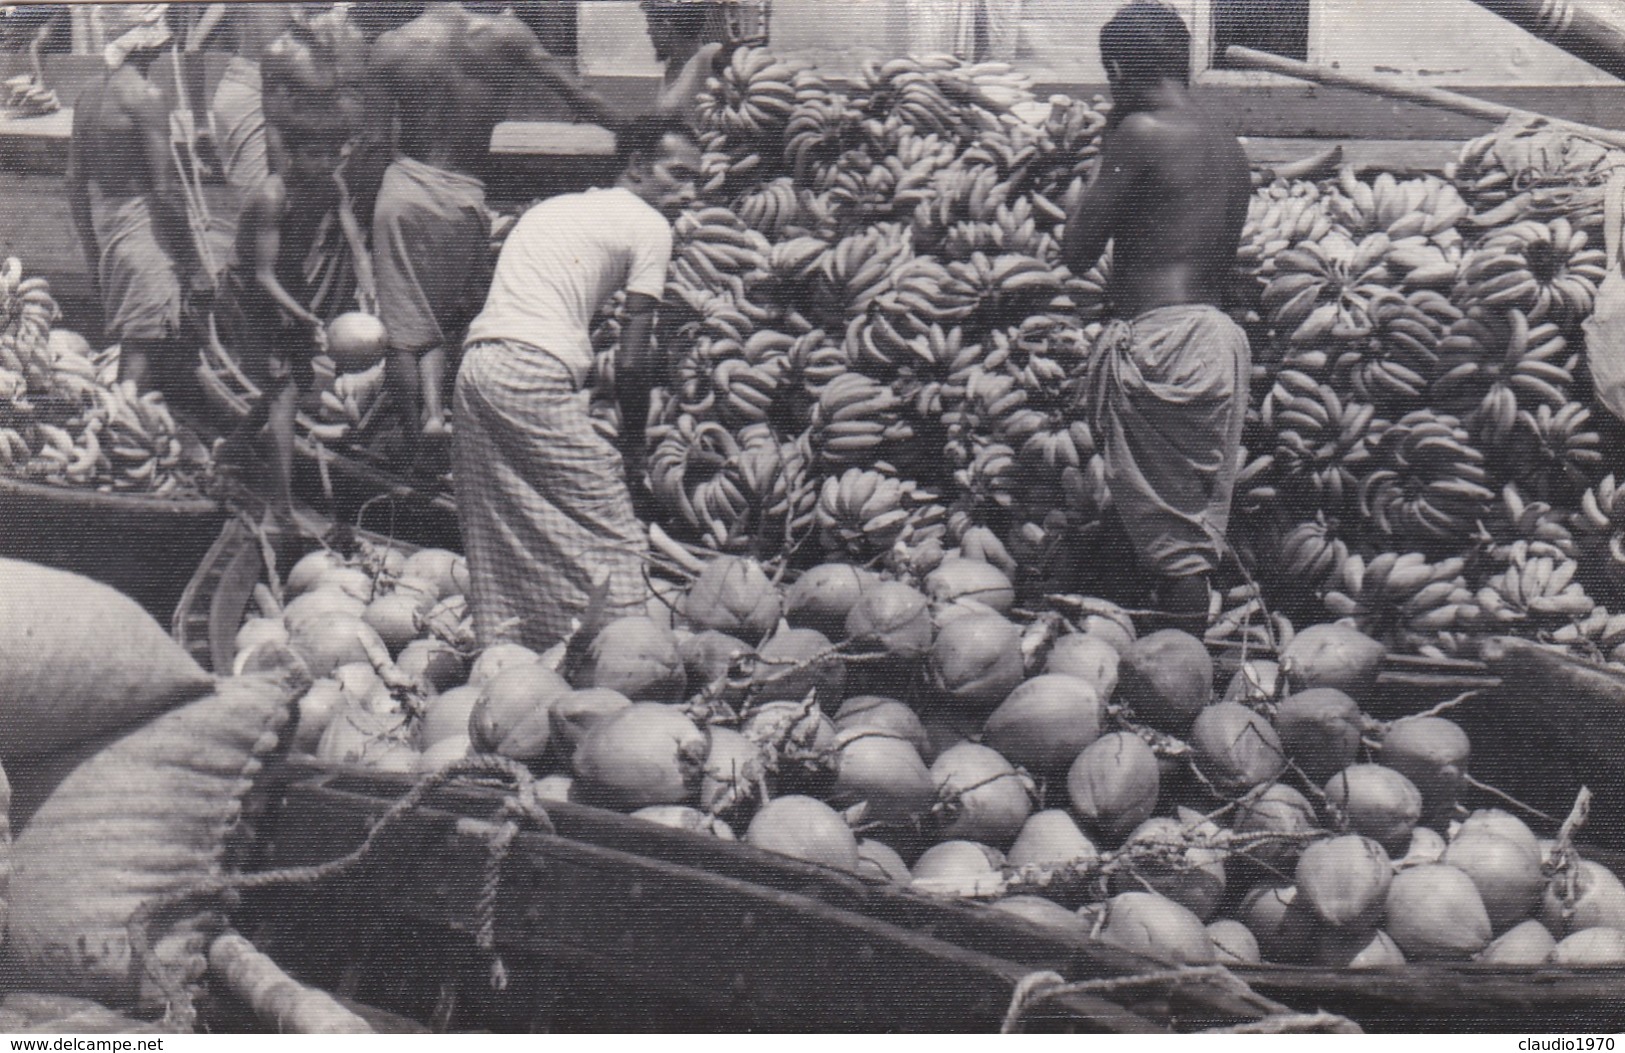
136	95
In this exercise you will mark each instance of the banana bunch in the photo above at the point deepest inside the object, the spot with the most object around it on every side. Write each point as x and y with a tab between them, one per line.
23	96
990	409
1555	452
732	507
1404	600
139	440
939	368
770	208
1427	207
1245	619
68	457
859	268
686	455
907	90
1493	365
1534	523
1544	269
863	513
728	164
1418	263
1280	216
1431	486
1013	229
822	128
991	477
963	193
993	291
814	363
751	98
1599	635
855	421
1324	288
746	392
1321	442
1536	171
1601	520
717	250
1537	586
996	87
27	312
1309	556
1394	365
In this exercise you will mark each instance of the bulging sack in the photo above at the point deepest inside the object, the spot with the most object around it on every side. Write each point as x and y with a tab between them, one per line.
143	819
78	658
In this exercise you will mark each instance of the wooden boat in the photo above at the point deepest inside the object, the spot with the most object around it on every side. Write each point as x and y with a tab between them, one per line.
146	547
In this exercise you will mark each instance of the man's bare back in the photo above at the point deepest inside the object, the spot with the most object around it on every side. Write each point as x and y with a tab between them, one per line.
117	122
450	75
1170	194
321	67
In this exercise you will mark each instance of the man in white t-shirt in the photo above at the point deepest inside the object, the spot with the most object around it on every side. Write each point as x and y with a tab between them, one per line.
542	498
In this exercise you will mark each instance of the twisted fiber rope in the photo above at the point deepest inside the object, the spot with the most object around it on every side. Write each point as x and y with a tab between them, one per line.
181	1012
1036	988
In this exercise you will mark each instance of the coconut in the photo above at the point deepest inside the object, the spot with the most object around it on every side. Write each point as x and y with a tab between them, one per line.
682	817
433	663
1108	622
1345	880
318	603
1503	824
1277	809
576	712
637	658
1282	923
645	754
361	684
1236	749
946	728
976	660
1505	872
1333	655
359	736
957	861
957	577
804	828
794	662
260	630
891	617
446	752
1191	876
440	568
1113	785
986	799
447	716
1526	943
1046	722
821	598
331	640
1435	914
496	658
1593	946
513	716
1156	927
876	859
1255	681
352	581
1051	838
1599	900
730	768
946	614
708	657
883	771
1426	846
1233	943
449	620
1045	913
883	714
732	596
1375	802
1320	730
317	707
1089	658
1357	950
788	722
1431	752
393	616
309	571
1166	678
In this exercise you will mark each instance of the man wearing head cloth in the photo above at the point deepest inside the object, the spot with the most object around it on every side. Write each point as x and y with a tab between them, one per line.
126	200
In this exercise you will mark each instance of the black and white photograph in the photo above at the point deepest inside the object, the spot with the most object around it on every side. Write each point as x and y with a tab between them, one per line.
805	516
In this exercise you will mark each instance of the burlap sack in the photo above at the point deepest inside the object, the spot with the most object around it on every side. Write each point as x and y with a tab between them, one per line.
143	819
78	658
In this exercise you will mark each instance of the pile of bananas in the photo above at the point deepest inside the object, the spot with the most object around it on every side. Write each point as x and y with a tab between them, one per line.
23	96
875	344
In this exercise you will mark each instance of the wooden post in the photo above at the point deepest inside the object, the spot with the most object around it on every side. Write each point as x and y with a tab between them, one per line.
1580	32
1418	93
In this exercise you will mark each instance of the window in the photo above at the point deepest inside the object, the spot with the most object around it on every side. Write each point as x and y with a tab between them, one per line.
1280	27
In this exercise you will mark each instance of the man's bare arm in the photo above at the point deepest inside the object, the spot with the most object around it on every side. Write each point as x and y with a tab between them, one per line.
676	99
637	369
169	210
78	180
522	50
1118	171
375	147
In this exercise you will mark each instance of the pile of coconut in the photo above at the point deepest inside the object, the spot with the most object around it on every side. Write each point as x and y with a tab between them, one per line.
912	727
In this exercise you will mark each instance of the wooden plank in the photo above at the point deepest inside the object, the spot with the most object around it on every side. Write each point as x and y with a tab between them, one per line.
717	940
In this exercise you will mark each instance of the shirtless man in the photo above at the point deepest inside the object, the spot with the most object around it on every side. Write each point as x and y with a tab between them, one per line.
236	113
677	31
126	199
1169	382
442	82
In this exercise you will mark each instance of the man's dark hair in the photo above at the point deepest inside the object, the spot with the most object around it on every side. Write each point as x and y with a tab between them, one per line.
1149	42
642	136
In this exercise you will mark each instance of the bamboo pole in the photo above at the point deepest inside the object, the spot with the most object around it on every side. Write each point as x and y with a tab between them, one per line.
1582	33
1421	94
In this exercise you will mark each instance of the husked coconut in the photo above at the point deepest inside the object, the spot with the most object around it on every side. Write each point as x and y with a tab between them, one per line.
1320	730
1233	943
576	712
883	714
806	829
1276	809
1166	678
877	859
976	660
1433	753
1502	824
1236	749
1046	722
1507	875
646	754
446	570
496	658
1526	943
1114	783
309	571
986	799
513	715
1375	802
708	656
1156	927
1333	655
1255	681
1598	900
733	596
1282	923
1425	846
821	598
1051	838
1594	946
447	716
1181	870
891	617
317	706
637	658
331	640
1357	950
956	861
1345	880
1089	658
883	771
796	661
731	767
433	663
1436	914
956	578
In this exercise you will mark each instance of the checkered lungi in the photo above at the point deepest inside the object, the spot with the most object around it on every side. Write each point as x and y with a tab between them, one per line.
542	498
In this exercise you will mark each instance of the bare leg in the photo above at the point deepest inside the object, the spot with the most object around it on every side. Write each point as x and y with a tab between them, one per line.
402	375
432	367
279	435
